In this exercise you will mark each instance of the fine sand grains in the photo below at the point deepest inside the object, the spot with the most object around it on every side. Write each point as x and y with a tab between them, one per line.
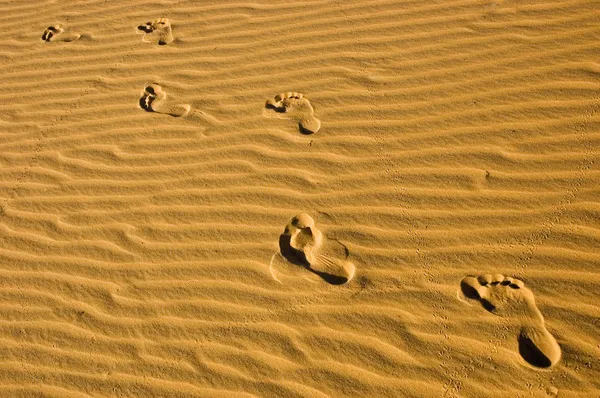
148	255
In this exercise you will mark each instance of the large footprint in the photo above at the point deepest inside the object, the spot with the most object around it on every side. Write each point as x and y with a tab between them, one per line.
57	33
154	99
506	296
158	31
301	244
295	104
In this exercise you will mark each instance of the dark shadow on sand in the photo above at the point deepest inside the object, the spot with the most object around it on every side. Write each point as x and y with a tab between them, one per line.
531	353
280	109
469	291
146	27
144	105
297	257
303	130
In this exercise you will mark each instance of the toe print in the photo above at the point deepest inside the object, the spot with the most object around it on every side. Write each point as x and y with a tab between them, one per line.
295	104
506	296
154	99
158	31
57	33
302	244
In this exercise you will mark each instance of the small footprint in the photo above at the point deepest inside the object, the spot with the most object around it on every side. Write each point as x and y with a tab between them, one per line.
506	296
159	30
296	105
301	244
154	99
57	33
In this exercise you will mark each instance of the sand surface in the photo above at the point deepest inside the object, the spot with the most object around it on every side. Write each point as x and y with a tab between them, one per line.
148	191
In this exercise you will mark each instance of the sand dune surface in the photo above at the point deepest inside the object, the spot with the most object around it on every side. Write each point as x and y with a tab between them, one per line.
320	198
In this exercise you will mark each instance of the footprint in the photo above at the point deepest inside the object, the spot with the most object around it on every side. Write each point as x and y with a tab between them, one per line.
158	30
301	244
296	105
506	296
154	99
57	33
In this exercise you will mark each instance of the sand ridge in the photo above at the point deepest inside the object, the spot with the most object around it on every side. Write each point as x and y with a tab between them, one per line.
458	138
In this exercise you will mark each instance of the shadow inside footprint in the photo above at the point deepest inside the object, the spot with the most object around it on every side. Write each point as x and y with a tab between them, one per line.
298	258
330	278
487	305
304	130
277	109
154	99
157	31
531	353
50	32
469	291
57	33
144	104
146	28
291	254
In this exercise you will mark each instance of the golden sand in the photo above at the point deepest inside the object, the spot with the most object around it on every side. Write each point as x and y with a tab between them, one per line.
365	198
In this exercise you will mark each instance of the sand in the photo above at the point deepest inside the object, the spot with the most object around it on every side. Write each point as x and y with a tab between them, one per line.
362	198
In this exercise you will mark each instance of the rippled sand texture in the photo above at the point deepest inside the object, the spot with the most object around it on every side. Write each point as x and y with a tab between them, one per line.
456	138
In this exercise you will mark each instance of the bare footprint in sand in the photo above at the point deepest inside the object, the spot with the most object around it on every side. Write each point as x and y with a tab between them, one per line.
158	31
301	244
506	296
294	104
57	33
154	99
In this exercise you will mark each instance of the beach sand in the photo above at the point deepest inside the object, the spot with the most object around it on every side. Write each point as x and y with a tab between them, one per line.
364	198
